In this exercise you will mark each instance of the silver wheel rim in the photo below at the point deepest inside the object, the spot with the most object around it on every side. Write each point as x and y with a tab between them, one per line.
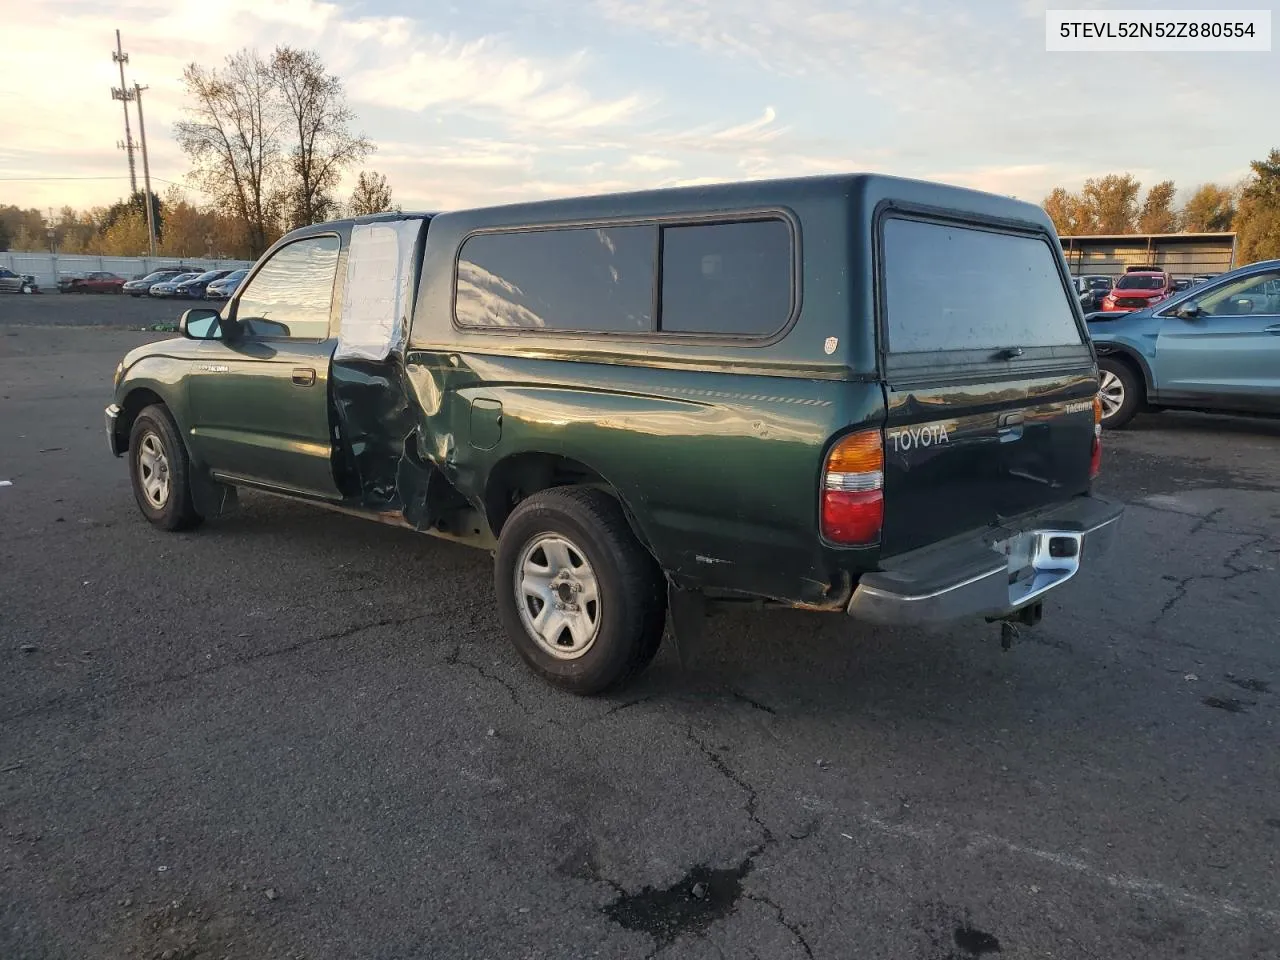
558	596
153	470
1111	393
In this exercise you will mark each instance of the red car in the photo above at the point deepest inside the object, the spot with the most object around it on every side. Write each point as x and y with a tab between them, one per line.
99	281
1138	290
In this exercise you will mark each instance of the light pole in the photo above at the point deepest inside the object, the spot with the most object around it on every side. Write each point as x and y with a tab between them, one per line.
53	247
122	93
146	171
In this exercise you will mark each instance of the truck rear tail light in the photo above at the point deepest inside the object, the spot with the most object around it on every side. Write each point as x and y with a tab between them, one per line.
1095	462
853	490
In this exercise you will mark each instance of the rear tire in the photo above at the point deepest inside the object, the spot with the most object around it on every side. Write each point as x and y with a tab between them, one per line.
161	471
1121	391
582	601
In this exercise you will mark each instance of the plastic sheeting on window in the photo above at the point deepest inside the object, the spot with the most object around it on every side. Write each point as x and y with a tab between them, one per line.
379	287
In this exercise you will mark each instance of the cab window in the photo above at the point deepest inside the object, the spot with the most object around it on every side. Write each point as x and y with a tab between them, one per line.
291	295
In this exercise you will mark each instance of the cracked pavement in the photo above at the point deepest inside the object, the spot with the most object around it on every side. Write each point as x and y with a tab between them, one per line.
324	708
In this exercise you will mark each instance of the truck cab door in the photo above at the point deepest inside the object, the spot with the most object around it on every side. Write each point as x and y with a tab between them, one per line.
259	397
1228	353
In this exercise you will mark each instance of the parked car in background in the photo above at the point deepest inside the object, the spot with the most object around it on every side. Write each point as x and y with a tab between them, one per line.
12	282
224	288
1137	290
169	288
1214	347
1081	288
1098	286
96	281
194	289
141	288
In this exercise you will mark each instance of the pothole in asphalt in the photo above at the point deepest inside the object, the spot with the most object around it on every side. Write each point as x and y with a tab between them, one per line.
1249	683
1229	704
701	897
975	942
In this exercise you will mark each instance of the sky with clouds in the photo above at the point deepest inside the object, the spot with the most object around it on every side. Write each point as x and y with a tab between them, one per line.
489	101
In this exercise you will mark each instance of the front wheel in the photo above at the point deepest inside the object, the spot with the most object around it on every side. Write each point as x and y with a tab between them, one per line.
1120	391
161	471
582	601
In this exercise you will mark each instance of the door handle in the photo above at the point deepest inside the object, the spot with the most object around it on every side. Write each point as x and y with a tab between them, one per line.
304	376
1009	426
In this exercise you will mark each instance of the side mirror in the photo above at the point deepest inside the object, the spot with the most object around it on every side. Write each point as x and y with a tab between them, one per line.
1188	311
200	323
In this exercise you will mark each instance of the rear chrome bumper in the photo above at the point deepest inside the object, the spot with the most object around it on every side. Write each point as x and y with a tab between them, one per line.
990	574
111	415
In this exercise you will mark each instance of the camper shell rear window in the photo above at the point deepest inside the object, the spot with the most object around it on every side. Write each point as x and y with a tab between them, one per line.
959	287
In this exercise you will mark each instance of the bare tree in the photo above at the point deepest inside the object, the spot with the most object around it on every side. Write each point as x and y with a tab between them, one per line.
233	139
322	145
371	195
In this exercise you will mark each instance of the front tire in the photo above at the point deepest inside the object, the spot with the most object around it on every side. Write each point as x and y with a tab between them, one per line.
582	601
161	471
1121	392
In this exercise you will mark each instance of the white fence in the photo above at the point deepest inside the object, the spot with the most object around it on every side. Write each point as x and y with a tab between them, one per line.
48	268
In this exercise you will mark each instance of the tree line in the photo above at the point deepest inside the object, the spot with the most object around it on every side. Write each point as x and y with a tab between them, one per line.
268	140
1117	204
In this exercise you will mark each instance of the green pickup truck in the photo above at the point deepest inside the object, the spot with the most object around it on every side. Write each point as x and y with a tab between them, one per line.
855	393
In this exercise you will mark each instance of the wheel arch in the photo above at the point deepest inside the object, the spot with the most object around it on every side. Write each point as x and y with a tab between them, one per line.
137	399
1127	354
519	475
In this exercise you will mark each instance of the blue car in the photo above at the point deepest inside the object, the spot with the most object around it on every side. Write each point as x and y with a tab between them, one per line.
194	289
1213	347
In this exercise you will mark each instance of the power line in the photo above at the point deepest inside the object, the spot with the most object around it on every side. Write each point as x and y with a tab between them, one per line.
43	179
51	179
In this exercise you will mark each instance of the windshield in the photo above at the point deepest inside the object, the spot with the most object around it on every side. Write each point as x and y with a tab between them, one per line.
237	275
1100	283
1137	281
211	275
182	278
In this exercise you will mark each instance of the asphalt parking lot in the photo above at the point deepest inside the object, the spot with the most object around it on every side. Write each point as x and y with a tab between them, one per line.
292	734
119	311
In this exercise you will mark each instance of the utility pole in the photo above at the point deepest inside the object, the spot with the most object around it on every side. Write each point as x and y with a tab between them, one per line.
122	94
146	172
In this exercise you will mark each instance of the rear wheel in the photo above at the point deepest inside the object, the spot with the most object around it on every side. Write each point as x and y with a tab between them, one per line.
1121	392
161	471
582	601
